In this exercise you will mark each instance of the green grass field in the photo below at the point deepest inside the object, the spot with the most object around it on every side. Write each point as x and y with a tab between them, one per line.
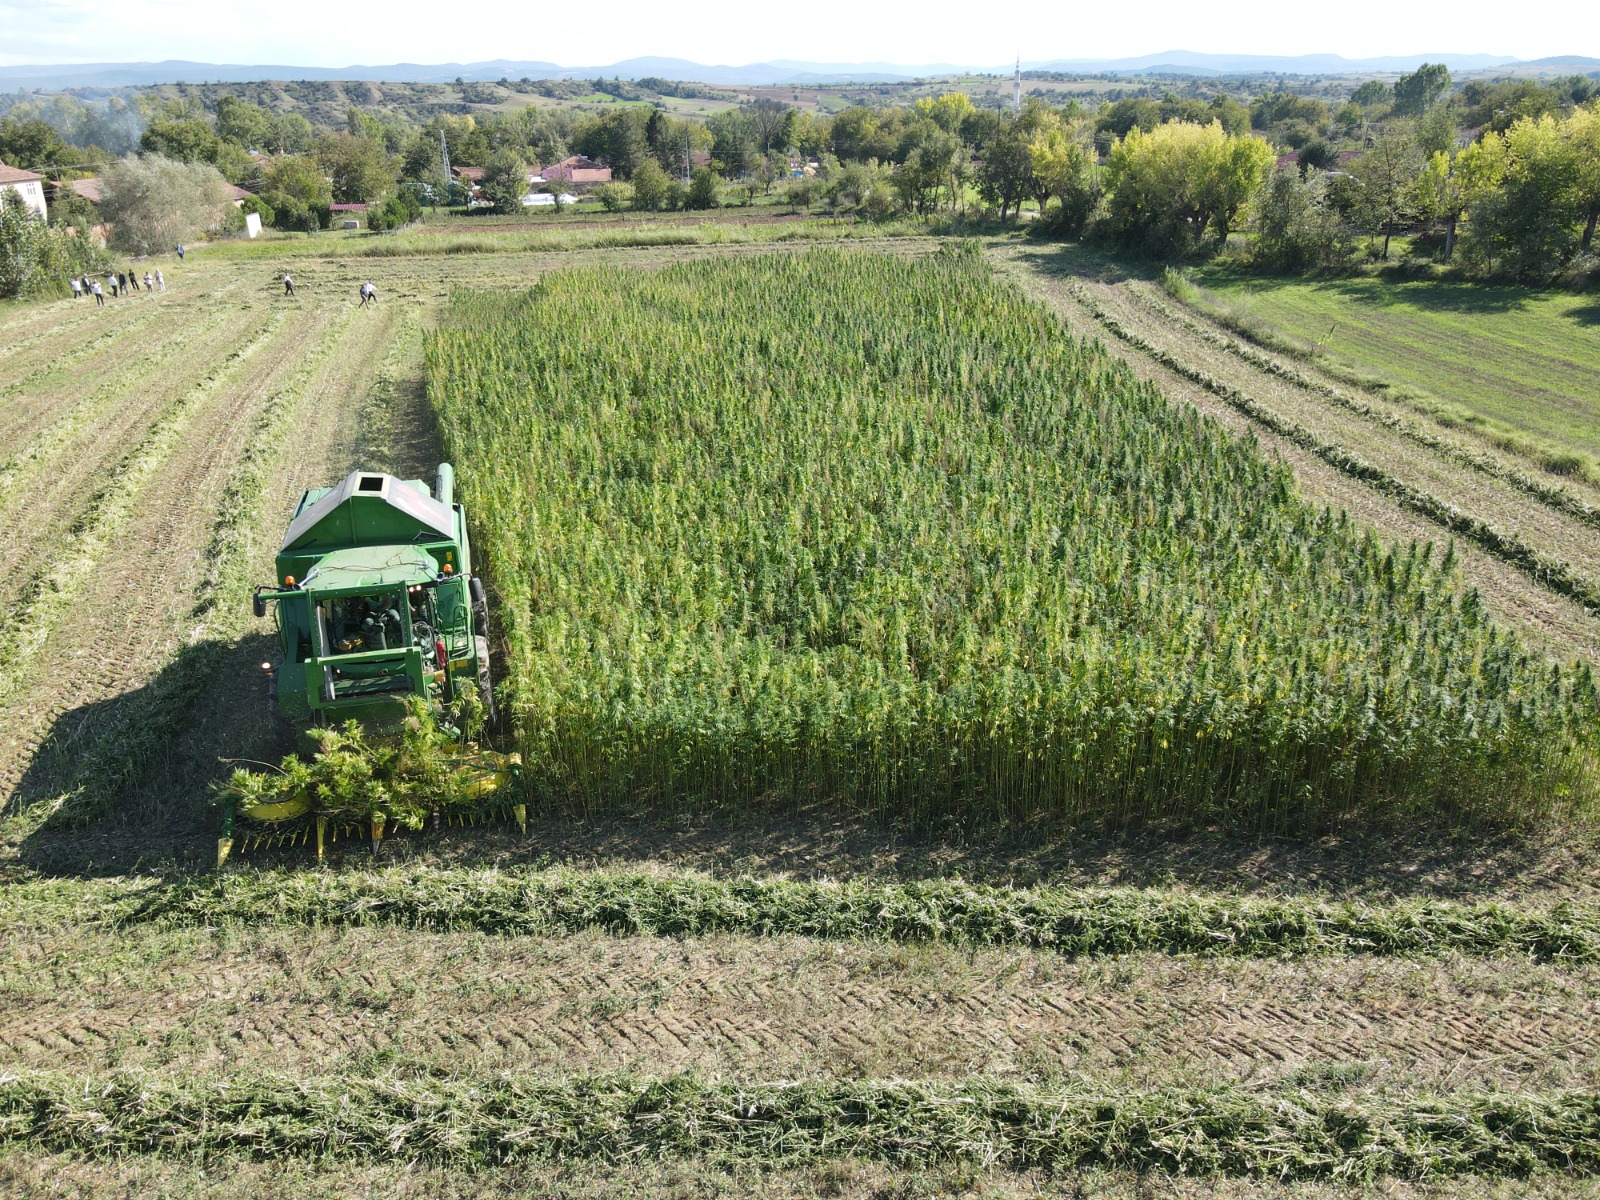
1526	360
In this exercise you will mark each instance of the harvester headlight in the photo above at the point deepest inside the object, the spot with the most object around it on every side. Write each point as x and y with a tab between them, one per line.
266	666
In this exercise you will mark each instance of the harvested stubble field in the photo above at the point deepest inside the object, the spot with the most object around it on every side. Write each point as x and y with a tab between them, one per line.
771	1001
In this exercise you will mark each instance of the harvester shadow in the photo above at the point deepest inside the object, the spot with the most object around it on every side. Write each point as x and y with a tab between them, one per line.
125	782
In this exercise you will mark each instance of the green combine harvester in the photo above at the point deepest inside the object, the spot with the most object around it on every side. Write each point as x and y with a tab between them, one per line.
376	603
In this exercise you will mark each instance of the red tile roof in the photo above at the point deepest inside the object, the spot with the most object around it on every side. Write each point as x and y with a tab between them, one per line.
92	190
17	175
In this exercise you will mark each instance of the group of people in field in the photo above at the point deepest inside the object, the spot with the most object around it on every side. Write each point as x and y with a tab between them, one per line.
118	283
368	293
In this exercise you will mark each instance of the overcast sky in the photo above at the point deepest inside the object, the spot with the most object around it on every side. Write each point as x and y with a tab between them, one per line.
316	33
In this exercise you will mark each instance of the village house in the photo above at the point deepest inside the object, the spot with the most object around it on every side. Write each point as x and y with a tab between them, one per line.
27	185
577	171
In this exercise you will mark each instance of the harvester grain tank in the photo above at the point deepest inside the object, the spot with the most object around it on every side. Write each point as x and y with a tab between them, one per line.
376	601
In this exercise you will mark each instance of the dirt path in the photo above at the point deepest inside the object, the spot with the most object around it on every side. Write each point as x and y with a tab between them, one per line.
1565	628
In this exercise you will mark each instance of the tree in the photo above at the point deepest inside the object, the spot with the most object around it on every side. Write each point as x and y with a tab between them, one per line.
649	186
613	197
249	125
1006	174
932	160
297	191
1581	133
859	134
1384	177
949	112
505	181
1316	155
1371	94
1296	229
186	141
623	145
770	123
733	141
155	203
1063	167
35	257
1416	92
299	176
705	191
22	246
1120	119
358	168
1436	130
293	133
1451	185
1528	226
31	143
1169	186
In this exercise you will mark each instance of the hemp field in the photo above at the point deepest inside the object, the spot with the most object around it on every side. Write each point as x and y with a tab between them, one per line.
766	1004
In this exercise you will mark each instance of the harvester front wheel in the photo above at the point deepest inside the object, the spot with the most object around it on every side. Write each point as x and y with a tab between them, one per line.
485	684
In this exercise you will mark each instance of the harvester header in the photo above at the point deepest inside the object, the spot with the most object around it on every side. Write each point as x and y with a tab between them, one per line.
376	604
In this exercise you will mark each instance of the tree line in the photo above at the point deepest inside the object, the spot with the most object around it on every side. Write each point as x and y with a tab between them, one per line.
1498	177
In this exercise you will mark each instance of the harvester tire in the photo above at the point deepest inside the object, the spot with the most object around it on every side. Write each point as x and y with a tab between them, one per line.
485	683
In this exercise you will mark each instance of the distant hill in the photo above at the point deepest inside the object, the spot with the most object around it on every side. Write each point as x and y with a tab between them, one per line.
1574	62
1190	62
777	72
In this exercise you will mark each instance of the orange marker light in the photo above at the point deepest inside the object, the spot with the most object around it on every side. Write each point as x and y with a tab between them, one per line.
288	581
448	569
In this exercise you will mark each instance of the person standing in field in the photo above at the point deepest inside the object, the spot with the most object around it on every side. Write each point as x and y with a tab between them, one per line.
147	286
111	283
288	285
99	296
77	288
368	292
180	251
160	282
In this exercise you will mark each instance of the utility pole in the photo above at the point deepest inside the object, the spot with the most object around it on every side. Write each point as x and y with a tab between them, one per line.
444	157
687	179
1016	89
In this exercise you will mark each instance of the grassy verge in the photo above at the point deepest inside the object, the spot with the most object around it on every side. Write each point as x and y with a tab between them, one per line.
1069	921
1515	366
556	240
1545	492
1559	577
510	1119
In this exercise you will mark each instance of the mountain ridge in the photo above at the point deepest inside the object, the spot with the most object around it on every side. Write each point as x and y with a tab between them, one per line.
777	72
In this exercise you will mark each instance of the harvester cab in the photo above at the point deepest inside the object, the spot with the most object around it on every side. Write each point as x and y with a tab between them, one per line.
375	602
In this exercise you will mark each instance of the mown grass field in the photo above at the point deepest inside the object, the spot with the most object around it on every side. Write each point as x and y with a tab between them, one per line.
752	1000
1526	360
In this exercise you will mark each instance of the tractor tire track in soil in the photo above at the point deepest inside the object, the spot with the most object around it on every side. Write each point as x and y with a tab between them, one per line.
1563	627
276	437
87	353
133	565
325	1000
48	487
